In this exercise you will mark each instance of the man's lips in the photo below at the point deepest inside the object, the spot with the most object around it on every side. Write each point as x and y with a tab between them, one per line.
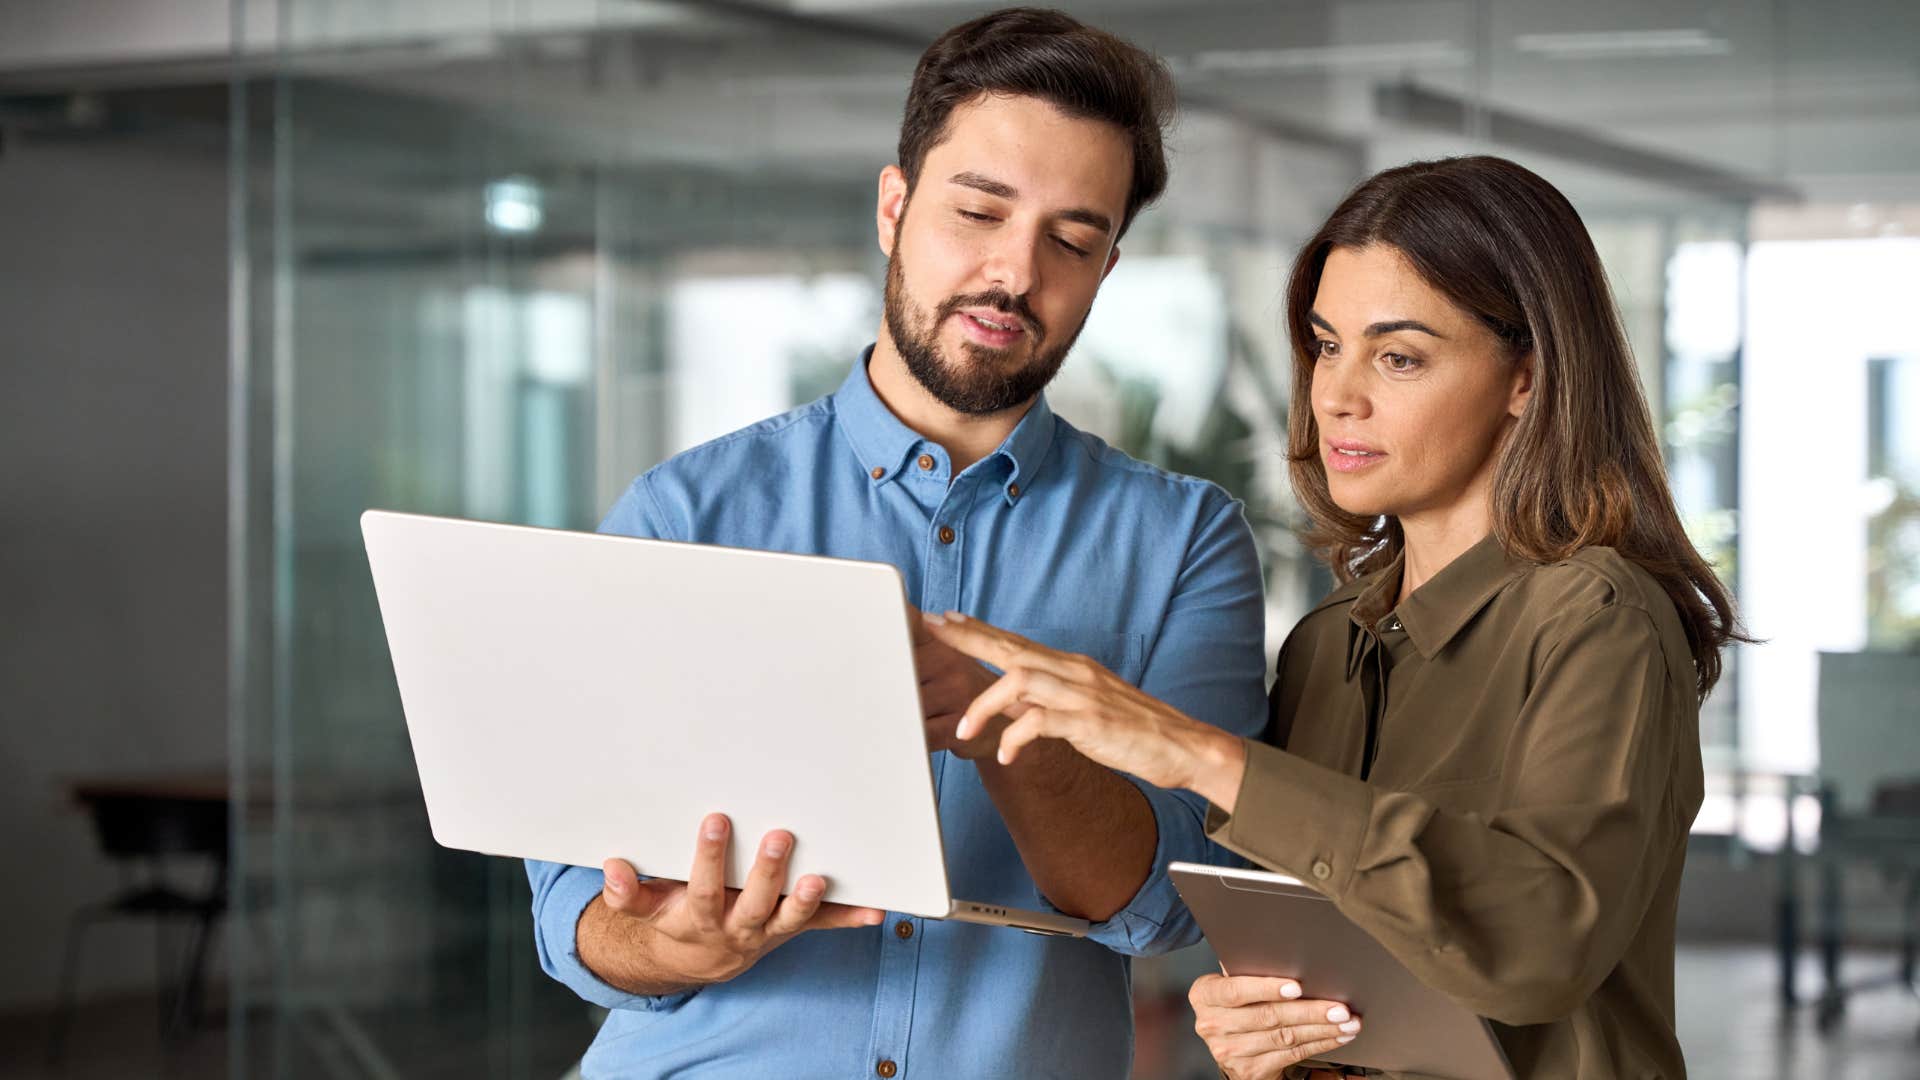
991	326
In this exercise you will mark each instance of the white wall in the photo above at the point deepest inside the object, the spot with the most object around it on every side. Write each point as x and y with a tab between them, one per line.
113	283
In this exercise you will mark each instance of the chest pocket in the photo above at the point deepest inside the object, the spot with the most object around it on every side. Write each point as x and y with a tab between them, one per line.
1123	654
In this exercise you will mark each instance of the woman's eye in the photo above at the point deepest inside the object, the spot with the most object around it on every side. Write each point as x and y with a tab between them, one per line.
1324	348
1399	362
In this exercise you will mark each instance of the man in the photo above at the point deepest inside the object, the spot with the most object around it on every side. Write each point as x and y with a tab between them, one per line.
1029	143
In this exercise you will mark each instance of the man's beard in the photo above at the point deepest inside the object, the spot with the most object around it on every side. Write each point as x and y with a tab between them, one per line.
975	386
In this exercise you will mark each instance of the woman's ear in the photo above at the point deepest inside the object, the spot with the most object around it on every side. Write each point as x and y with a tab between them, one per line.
1521	389
890	207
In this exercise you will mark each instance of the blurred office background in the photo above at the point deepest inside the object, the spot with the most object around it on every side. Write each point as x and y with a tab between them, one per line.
266	264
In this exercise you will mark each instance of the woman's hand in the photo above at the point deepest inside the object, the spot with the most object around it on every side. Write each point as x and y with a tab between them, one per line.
1070	697
1256	1028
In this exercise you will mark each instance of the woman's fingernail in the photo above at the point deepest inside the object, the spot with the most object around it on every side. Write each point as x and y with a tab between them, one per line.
1345	1039
1338	1013
1290	991
1350	1026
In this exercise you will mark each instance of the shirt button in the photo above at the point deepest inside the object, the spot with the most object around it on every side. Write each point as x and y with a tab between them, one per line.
1321	870
1013	491
903	929
946	534
926	465
878	472
886	1069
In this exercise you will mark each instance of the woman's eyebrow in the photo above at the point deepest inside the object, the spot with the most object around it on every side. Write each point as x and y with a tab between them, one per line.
1402	324
1378	328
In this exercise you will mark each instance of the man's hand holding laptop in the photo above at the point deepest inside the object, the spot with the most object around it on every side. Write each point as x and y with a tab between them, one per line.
662	937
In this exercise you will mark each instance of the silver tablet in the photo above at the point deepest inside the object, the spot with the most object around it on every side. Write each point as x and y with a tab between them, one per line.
1270	924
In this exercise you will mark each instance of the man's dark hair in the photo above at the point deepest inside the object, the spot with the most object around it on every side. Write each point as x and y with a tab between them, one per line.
1050	55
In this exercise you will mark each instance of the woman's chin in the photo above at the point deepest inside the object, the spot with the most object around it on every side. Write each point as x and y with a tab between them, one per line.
1358	503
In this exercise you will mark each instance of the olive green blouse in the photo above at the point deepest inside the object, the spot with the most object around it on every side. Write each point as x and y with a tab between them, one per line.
1496	779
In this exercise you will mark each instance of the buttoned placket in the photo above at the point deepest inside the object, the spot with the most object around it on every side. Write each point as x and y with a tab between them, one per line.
942	584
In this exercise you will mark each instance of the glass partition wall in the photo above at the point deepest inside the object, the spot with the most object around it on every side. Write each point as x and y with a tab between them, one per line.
494	260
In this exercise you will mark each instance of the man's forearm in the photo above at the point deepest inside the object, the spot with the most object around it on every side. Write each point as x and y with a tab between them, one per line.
1086	834
618	950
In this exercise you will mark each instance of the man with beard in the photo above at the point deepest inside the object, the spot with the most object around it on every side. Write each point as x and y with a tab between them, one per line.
1029	143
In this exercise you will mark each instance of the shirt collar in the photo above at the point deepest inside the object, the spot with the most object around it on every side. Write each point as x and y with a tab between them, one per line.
882	443
1438	610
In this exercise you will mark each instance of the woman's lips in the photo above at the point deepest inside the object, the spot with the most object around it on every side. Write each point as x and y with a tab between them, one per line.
1349	457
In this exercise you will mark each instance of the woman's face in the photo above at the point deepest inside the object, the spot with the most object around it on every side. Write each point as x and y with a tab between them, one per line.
1412	394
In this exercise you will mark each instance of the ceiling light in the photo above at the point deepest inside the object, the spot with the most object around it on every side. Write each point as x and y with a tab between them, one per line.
1394	54
1624	43
514	205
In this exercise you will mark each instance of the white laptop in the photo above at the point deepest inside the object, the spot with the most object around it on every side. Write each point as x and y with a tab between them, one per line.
574	697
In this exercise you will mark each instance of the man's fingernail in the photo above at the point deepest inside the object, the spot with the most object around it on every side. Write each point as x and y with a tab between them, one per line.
809	890
956	616
714	828
932	618
874	917
1338	1014
1290	991
616	885
776	846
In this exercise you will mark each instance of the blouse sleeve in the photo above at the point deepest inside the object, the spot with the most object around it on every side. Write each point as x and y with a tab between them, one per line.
1521	915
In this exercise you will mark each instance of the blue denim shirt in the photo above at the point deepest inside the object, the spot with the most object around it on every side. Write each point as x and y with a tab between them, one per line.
1057	536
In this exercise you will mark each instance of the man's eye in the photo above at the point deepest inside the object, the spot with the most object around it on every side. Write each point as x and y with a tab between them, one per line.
1074	249
975	215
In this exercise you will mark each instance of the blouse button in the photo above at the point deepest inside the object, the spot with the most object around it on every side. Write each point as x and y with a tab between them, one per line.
1321	870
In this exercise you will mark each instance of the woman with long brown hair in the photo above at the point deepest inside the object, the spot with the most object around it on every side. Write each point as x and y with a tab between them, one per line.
1483	746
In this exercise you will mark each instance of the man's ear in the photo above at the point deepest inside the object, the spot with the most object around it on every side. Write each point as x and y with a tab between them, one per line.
1112	257
1522	388
891	206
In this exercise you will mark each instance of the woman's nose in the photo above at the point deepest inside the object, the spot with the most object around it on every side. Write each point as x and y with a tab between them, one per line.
1338	389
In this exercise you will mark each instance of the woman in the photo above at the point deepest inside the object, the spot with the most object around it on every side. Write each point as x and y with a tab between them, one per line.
1483	746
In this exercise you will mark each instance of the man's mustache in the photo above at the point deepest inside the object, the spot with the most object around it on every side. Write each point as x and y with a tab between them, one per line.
999	300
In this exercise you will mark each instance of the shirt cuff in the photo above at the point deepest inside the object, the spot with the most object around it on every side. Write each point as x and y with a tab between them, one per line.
1156	920
1296	817
559	899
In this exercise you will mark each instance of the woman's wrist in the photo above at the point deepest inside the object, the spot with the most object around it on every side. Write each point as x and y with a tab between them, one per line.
1219	761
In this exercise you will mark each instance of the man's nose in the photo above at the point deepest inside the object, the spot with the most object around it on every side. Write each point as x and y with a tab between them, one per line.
1013	263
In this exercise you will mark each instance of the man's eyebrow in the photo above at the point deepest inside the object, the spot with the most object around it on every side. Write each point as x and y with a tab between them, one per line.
988	185
984	183
1378	328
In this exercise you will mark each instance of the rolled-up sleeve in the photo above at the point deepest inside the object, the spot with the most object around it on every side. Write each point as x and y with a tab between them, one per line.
1519	915
1208	661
